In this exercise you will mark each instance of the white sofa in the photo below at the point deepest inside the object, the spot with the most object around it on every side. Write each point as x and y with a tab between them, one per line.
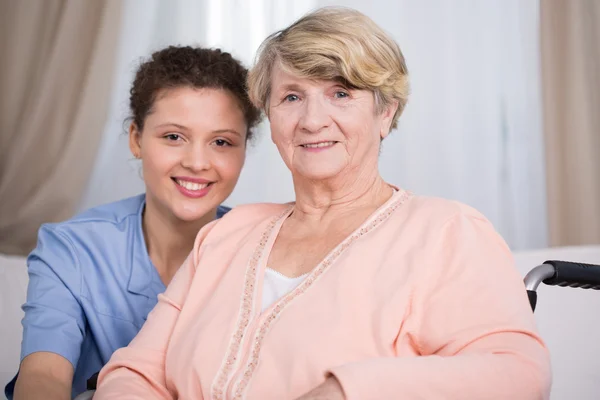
13	289
567	319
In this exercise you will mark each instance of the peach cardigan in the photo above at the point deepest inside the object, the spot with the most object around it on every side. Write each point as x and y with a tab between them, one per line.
421	302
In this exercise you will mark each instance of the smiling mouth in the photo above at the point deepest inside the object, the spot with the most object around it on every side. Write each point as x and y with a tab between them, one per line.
318	145
192	186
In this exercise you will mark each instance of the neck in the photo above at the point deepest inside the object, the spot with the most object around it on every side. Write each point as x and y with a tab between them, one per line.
318	200
169	240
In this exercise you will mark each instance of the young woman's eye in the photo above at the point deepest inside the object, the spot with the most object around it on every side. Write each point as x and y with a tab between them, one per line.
221	143
172	137
291	97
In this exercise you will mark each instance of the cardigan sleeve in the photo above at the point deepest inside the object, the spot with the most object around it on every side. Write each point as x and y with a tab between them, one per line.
138	370
474	329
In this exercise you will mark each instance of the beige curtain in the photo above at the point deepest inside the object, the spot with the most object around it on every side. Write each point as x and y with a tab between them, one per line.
570	44
56	65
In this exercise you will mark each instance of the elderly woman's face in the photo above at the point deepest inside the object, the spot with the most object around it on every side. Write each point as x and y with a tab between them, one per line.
323	129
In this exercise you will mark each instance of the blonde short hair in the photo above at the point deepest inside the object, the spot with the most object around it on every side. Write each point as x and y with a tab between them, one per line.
334	43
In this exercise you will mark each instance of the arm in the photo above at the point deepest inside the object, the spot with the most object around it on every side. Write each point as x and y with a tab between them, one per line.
328	390
472	328
138	370
54	323
44	376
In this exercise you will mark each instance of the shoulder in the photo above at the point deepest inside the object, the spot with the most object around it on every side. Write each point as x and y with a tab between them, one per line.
447	223
99	219
88	231
243	220
429	219
439	210
242	225
252	213
113	212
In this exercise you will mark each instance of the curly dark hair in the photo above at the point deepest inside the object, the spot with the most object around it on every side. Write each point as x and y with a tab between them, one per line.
194	67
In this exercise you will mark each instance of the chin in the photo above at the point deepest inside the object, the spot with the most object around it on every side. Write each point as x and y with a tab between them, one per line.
320	174
320	167
190	214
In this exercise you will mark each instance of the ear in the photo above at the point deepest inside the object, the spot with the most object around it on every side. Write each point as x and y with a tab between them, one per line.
134	140
386	119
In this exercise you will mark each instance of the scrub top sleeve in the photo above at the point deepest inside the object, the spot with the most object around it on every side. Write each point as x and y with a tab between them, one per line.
54	319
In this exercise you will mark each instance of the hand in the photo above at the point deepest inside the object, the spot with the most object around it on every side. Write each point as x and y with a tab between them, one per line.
328	390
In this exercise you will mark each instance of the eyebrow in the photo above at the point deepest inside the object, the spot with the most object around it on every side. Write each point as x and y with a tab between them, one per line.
227	130
172	124
290	86
178	126
338	81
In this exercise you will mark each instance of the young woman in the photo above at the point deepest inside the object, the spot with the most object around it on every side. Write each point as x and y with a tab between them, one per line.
94	278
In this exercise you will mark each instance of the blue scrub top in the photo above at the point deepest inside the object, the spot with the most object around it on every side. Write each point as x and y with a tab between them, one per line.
91	287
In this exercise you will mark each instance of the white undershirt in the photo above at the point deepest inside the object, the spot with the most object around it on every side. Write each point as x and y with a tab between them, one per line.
277	285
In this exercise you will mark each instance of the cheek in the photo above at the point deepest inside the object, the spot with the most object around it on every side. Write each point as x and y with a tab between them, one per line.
360	127
229	164
159	160
282	129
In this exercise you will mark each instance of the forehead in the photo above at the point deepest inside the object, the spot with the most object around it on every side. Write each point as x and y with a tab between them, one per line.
283	79
282	76
195	105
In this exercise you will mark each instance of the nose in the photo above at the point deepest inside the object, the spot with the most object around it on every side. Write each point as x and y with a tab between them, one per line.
196	158
315	115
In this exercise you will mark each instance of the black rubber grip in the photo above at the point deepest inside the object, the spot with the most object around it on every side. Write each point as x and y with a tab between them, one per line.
532	299
572	274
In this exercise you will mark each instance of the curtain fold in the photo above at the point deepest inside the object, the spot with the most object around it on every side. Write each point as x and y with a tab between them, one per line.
570	48
55	74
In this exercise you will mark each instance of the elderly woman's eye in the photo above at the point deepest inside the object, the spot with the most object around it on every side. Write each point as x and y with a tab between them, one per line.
341	94
291	97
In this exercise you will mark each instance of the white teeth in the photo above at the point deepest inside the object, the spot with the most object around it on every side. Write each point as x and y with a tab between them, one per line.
317	145
191	185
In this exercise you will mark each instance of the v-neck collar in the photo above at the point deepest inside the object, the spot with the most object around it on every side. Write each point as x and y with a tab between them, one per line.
399	196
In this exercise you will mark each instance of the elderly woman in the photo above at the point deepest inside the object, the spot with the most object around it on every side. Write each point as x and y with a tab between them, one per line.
358	289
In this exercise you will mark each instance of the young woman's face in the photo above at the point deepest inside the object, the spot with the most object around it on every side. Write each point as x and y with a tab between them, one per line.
192	148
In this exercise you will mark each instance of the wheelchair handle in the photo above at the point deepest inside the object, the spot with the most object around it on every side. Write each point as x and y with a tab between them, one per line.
576	275
561	273
564	273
